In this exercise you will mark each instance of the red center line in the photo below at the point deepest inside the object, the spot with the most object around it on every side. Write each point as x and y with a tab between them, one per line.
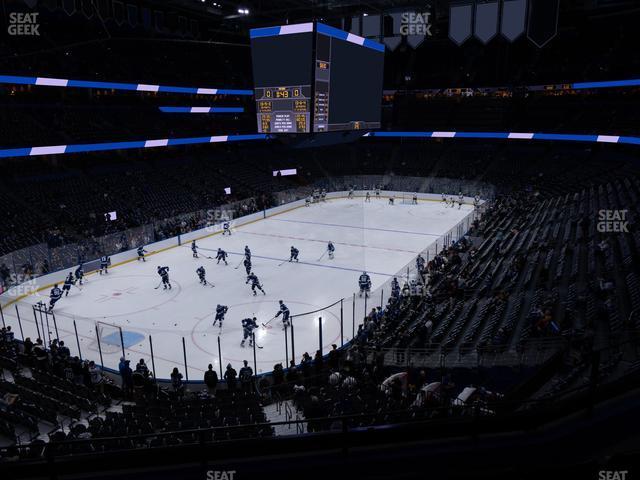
326	241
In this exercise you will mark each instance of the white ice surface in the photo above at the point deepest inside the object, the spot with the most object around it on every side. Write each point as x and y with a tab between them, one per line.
375	237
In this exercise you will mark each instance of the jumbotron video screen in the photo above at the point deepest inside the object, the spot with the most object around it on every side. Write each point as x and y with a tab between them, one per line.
315	78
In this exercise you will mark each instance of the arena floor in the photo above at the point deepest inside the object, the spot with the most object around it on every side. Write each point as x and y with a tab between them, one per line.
376	237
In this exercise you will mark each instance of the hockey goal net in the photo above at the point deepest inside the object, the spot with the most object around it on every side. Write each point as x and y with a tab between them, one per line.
109	338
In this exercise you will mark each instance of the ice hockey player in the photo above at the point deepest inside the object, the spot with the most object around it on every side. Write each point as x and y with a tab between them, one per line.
420	263
54	295
365	284
226	228
392	200
201	275
460	200
164	275
414	201
67	284
247	264
194	249
307	201
221	255
331	249
316	195
476	201
221	311
255	283
395	288
323	195
284	310
444	198
105	261
248	326
141	252
452	202
377	192
247	252
367	198
79	273
294	254
350	192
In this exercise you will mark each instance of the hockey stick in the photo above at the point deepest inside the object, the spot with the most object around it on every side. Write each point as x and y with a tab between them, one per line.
239	264
269	321
155	288
325	252
280	264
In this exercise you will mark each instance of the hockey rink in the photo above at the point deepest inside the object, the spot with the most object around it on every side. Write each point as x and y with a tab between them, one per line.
375	237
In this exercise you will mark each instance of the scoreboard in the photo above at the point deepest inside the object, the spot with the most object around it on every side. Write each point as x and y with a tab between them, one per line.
283	109
315	78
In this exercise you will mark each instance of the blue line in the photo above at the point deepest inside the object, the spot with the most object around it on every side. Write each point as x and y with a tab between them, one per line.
264	32
351	226
606	84
301	263
96	147
332	31
567	137
111	85
18	80
188	141
231	91
211	110
15	152
342	35
482	135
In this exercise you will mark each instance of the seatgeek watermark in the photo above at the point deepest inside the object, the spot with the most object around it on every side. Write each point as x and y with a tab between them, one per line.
221	474
23	24
414	23
612	221
22	285
217	217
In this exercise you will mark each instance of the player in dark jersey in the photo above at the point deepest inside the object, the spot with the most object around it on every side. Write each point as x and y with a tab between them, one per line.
201	275
221	311
67	284
284	311
141	252
164	275
365	284
221	255
248	326
255	283
54	295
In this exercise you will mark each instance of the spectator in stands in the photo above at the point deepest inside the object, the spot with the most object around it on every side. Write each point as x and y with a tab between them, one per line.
211	380
27	346
230	376
127	378
246	376
334	358
97	379
142	369
176	381
41	356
